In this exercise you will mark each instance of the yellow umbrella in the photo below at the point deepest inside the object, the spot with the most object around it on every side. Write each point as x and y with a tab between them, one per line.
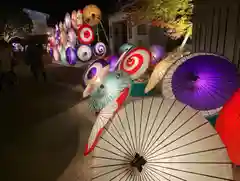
162	67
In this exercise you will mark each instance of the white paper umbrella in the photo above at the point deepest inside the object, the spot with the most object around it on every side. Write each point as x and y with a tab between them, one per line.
72	37
67	20
166	87
135	62
160	139
84	53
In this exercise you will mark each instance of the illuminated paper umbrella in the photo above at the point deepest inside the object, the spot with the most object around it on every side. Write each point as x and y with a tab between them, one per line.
71	56
100	49
159	139
109	88
72	37
79	18
227	126
166	87
93	70
74	19
84	53
67	21
62	54
92	15
63	38
126	47
135	62
85	34
56	54
205	81
157	53
112	61
162	67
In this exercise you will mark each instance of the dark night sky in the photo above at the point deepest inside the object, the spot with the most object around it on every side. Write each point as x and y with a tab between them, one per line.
57	9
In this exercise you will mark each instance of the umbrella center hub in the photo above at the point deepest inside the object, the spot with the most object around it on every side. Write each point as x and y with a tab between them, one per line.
194	77
138	162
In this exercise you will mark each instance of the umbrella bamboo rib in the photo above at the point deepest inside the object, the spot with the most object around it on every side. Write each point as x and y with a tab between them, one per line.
159	149
125	132
148	145
195	173
151	104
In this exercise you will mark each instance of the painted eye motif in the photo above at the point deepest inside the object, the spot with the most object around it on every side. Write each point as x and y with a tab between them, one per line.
93	70
84	53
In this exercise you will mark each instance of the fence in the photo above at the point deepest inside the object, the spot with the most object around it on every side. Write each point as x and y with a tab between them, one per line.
216	28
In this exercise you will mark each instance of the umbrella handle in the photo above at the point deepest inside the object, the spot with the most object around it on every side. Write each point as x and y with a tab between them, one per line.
138	162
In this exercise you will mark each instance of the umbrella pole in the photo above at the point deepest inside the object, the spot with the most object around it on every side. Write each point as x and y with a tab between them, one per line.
104	31
187	35
138	162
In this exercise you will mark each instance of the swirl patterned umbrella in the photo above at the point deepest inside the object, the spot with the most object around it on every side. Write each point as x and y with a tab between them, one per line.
205	81
135	62
159	139
85	34
100	49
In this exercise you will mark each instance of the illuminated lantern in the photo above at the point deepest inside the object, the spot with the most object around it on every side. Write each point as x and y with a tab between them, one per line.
79	18
228	127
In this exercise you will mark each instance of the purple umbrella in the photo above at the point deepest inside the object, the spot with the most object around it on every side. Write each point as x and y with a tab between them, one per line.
205	81
71	56
112	60
158	53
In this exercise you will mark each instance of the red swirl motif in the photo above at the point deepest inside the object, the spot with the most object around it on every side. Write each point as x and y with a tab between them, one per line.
130	61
